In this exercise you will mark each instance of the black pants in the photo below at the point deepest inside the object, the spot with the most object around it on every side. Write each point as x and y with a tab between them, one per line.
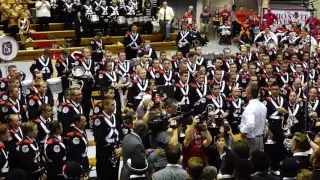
68	20
277	151
13	31
105	169
185	50
86	98
5	26
114	28
79	35
130	53
43	23
235	28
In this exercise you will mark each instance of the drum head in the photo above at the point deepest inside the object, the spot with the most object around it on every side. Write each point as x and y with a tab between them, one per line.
9	48
78	71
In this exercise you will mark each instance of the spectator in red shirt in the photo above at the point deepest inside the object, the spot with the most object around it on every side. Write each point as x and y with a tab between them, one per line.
196	140
264	25
188	17
241	15
270	17
225	15
314	23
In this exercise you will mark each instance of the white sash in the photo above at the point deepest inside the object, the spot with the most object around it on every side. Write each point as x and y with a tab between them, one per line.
113	129
45	63
112	77
99	43
114	11
150	52
201	60
313	108
185	93
125	69
312	74
275	114
104	10
87	67
69	7
5	167
167	78
292	67
183	37
219	111
77	110
142	89
187	78
237	111
45	99
64	64
202	95
299	91
285	80
292	115
16	135
14	108
134	40
191	69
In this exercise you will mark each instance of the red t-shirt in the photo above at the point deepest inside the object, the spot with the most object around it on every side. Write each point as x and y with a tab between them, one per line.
270	18
245	26
188	18
241	16
195	149
225	14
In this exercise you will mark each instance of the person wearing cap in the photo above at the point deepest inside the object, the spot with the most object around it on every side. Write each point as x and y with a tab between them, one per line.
173	170
184	40
138	167
270	17
261	164
72	170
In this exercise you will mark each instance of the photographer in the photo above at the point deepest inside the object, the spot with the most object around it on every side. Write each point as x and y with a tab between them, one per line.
197	138
160	138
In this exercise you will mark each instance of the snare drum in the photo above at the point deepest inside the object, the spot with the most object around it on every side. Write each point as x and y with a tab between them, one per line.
94	18
156	26
121	20
55	85
130	21
25	84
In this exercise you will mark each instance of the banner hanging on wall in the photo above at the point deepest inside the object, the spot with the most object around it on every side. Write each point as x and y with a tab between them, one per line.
286	15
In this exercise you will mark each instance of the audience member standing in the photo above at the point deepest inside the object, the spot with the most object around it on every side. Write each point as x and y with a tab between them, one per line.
270	17
165	17
43	14
205	18
253	119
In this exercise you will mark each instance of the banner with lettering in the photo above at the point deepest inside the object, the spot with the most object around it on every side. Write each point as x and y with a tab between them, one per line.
286	15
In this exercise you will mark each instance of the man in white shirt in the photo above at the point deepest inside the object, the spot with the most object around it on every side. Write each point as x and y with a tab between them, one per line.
253	119
165	18
43	14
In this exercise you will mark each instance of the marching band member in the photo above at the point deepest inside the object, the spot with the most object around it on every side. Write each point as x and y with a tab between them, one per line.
97	48
182	92
200	59
176	59
107	134
184	40
224	91
12	105
156	72
64	64
220	109
13	72
148	49
45	111
218	65
103	13
84	59
313	108
69	9
298	74
43	64
266	91
138	88
14	130
55	152
313	73
242	57
283	76
132	42
297	87
77	142
199	92
167	73
113	12
191	62
143	61
123	67
122	7
28	152
130	10
264	78
109	93
295	120
183	68
4	163
34	101
235	106
276	109
69	109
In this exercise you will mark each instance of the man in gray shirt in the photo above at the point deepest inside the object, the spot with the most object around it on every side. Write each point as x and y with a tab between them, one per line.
173	170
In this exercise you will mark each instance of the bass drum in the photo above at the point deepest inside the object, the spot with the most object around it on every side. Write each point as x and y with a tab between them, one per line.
121	20
156	26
